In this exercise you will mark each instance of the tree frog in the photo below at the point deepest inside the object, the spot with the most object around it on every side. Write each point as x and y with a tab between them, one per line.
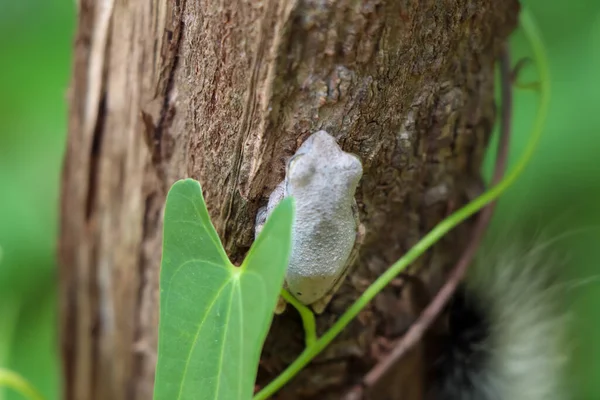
323	179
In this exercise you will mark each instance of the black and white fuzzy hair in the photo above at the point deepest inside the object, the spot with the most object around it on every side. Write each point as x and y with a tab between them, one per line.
506	332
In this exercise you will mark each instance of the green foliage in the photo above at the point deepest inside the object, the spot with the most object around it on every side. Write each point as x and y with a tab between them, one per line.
36	39
214	317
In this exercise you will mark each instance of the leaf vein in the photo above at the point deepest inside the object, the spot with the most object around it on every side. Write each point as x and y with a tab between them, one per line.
227	325
194	342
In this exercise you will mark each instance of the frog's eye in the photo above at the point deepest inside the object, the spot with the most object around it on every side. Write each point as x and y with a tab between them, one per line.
300	170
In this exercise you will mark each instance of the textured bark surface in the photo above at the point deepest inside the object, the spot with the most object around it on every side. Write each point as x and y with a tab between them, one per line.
224	92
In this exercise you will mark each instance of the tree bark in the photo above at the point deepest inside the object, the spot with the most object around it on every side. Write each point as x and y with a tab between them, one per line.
224	92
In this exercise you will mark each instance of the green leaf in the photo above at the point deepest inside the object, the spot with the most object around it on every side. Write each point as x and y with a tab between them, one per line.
214	316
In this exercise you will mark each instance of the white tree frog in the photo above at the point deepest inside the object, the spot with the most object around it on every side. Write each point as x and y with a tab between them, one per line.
323	179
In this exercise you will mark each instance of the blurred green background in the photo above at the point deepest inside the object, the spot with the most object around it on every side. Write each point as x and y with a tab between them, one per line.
559	193
35	62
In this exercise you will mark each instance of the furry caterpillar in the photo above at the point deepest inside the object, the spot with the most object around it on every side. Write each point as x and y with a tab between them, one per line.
506	331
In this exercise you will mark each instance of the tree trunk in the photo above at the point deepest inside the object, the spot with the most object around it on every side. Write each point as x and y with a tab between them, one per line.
224	92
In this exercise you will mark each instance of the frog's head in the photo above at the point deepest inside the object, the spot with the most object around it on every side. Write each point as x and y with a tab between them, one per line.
321	164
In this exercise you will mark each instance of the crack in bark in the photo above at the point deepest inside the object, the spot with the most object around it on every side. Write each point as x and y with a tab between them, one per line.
249	108
94	158
166	113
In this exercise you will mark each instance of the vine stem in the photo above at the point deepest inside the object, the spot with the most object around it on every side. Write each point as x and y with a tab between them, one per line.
531	31
16	382
307	316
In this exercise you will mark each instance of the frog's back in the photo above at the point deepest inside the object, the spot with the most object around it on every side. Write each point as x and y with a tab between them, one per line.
320	252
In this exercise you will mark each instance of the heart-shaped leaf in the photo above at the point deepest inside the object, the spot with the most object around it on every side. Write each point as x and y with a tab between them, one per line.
214	316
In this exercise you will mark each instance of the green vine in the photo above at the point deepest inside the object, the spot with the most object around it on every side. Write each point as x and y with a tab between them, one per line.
16	382
307	316
316	346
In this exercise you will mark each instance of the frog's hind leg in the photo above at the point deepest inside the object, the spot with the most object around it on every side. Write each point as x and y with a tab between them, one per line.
281	306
